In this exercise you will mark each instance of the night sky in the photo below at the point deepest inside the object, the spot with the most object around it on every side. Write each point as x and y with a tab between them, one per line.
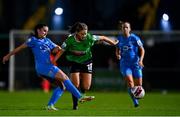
98	14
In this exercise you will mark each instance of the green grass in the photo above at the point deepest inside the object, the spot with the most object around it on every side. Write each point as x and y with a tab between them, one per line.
30	103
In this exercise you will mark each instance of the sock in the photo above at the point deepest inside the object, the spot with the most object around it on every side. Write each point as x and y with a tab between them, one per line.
57	93
71	88
75	101
83	90
135	101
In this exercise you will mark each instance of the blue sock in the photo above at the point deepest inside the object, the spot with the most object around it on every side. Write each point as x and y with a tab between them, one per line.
135	101
57	93
71	88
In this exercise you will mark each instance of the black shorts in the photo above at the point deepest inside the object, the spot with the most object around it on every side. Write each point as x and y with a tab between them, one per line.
86	67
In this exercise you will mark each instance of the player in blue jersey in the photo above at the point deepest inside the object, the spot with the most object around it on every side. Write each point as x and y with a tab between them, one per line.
130	52
42	47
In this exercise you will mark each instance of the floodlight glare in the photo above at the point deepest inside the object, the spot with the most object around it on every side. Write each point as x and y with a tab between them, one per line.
58	11
165	24
165	17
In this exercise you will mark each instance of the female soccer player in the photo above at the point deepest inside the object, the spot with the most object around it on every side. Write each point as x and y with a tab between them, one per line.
78	48
130	52
41	47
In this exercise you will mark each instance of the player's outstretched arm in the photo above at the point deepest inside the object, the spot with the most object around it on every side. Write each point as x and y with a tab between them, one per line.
108	40
16	50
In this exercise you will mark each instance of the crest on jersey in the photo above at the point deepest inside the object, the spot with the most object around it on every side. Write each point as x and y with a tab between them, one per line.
63	45
29	40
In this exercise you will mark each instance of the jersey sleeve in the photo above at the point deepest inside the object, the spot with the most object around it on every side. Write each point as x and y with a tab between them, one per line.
65	43
95	37
29	42
52	45
138	41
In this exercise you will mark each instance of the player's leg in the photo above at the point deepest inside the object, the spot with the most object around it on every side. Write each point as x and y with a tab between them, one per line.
81	77
137	73
86	79
57	93
45	85
76	81
138	81
61	76
130	83
53	73
127	74
86	76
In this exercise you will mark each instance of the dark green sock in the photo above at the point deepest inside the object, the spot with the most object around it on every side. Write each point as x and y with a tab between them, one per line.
83	90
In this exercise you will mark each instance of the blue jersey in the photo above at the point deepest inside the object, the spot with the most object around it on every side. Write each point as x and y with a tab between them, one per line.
130	55
129	48
41	49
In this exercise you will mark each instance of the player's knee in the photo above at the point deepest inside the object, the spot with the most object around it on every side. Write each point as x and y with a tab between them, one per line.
76	85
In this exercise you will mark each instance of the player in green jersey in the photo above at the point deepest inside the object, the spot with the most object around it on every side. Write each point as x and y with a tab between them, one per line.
78	52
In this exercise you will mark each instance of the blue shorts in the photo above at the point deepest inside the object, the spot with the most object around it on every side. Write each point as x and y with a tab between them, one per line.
48	71
135	70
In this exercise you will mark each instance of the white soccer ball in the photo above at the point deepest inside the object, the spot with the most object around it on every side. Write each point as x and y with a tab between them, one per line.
138	92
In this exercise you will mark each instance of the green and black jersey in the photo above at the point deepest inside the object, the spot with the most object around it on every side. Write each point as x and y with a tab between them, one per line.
71	45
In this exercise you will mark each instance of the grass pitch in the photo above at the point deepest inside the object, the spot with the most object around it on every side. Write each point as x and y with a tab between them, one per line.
32	103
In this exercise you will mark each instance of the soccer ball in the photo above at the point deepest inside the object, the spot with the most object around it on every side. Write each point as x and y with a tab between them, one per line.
138	92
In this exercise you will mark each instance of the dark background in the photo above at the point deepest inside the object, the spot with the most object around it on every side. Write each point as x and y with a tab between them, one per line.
161	61
98	14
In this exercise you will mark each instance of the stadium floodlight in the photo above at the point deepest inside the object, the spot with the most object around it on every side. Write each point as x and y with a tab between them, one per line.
57	19
165	17
58	11
165	24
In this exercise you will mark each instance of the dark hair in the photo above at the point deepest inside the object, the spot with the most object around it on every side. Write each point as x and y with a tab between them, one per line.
120	24
123	22
38	26
78	26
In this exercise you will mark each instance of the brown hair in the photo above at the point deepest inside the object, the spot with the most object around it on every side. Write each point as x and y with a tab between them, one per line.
77	27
